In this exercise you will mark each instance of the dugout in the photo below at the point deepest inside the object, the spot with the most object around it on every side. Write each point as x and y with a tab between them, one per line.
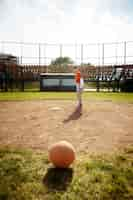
57	82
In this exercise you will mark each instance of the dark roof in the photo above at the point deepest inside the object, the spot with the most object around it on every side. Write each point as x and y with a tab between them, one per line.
2	55
7	58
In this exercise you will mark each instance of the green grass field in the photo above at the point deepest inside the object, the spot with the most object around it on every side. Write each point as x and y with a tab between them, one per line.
102	96
26	175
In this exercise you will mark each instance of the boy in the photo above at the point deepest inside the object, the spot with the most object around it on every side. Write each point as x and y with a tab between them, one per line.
79	86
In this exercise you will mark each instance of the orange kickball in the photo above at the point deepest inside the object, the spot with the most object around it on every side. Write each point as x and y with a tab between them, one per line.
62	154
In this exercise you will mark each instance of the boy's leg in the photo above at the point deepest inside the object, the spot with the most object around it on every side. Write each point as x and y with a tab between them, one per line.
79	97
79	94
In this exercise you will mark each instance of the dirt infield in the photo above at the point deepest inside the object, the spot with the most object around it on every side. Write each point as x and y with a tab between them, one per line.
100	127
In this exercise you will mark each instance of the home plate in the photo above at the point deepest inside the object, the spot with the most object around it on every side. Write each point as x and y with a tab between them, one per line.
55	108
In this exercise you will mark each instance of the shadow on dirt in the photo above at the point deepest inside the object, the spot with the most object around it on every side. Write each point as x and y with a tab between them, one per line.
75	115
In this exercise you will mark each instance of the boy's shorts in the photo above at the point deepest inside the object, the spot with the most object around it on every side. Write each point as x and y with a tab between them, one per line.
78	88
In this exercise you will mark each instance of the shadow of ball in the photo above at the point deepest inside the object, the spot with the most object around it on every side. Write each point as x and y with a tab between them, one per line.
62	154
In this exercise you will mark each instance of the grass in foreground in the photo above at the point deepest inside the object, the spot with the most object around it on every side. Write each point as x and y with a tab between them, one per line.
103	96
25	175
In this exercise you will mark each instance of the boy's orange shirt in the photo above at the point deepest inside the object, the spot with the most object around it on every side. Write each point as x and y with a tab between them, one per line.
77	76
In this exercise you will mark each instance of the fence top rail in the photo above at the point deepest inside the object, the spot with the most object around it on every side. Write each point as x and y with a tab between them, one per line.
64	44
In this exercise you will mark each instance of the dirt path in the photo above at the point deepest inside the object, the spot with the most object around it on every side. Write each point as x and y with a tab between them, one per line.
102	126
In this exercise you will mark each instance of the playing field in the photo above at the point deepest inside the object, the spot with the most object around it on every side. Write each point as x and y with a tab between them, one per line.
102	126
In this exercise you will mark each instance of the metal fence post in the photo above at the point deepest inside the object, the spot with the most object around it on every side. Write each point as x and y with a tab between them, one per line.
39	51
21	52
82	54
76	53
2	46
116	54
61	46
103	54
125	52
98	46
45	58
